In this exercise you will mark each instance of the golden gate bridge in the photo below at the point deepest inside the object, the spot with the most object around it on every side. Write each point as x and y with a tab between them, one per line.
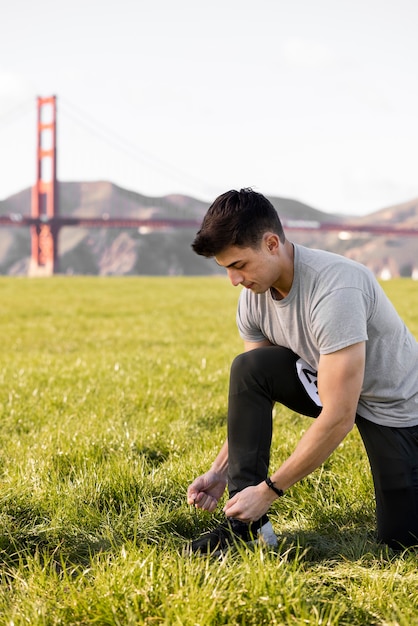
45	220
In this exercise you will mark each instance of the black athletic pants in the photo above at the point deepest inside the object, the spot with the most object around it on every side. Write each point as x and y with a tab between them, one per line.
261	377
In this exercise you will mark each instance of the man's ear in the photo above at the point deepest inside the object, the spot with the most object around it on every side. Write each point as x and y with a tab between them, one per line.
271	240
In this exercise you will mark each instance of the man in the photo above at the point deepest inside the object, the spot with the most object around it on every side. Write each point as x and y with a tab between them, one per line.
321	338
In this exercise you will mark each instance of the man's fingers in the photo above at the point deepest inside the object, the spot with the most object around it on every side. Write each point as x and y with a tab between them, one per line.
196	498
205	502
191	496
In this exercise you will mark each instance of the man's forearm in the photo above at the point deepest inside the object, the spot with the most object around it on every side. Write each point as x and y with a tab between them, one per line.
220	464
313	449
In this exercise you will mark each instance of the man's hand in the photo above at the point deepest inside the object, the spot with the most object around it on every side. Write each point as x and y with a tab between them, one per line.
250	504
206	490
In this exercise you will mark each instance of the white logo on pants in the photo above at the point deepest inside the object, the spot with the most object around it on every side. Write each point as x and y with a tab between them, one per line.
309	379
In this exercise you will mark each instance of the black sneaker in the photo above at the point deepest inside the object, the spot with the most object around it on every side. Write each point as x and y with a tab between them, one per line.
233	532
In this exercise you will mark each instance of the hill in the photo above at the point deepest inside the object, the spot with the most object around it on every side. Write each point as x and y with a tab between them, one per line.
106	251
385	255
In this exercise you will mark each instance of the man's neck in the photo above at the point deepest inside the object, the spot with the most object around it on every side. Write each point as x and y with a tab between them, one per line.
282	287
275	294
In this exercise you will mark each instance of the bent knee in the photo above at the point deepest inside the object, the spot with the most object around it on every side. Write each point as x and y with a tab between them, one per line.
246	362
264	359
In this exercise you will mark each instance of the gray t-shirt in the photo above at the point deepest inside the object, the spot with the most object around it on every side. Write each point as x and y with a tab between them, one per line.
334	303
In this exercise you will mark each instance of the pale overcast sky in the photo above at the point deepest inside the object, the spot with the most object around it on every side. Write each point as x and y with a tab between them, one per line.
313	100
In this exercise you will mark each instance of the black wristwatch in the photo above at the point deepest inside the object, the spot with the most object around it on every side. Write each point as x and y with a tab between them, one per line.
270	484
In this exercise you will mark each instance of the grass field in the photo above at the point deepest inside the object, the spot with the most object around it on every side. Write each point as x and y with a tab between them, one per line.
113	398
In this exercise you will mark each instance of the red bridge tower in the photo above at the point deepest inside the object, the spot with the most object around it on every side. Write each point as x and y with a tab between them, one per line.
44	233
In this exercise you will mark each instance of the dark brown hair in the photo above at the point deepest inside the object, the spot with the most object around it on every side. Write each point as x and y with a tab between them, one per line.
236	218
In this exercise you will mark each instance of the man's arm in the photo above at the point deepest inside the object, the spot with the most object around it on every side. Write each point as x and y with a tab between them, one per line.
252	345
206	490
340	379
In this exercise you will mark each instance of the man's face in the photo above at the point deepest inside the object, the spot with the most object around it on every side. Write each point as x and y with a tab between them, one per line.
253	268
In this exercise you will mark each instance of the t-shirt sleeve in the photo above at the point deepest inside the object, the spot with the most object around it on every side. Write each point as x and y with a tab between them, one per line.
248	325
340	319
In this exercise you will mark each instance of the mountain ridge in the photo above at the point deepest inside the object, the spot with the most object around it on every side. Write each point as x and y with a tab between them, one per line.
105	251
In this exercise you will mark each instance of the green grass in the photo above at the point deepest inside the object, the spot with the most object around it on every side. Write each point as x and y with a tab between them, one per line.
113	398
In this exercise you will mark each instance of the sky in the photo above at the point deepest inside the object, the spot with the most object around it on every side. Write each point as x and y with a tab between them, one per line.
311	100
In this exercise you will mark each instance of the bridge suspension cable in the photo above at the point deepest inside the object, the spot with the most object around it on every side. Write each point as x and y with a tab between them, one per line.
16	113
130	149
